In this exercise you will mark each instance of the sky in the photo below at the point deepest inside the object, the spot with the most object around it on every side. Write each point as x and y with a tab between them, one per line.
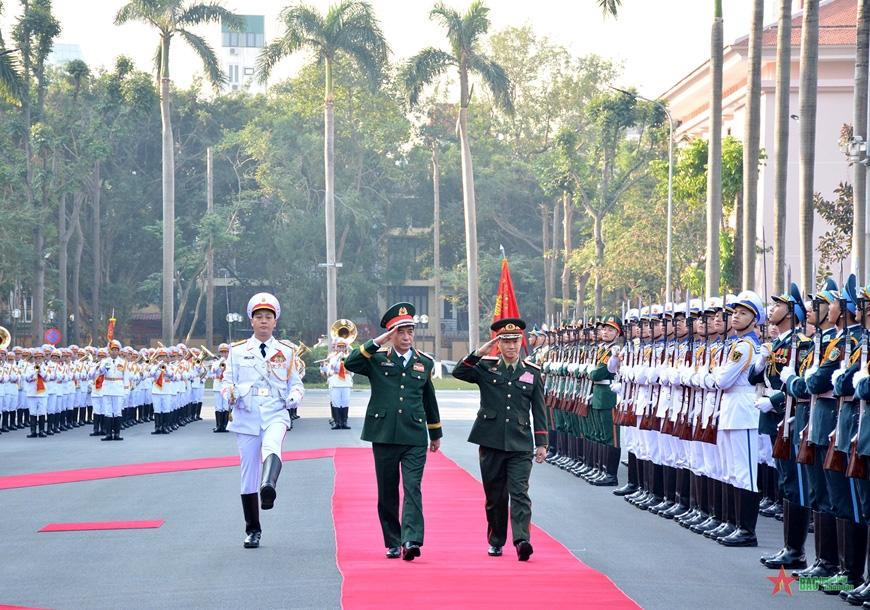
658	41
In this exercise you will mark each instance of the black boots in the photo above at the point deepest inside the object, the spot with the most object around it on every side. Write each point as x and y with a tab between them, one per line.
611	466
825	537
98	419
746	503
158	425
851	549
339	418
796	520
113	429
252	520
32	428
222	418
271	470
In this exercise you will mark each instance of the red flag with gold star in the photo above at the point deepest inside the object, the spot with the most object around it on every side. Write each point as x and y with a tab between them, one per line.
506	301
110	334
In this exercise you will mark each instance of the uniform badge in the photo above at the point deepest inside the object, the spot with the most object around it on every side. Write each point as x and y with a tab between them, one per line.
735	355
388	363
419	367
278	358
834	354
527	377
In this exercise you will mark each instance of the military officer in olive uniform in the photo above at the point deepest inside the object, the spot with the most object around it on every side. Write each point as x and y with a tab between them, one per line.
401	419
511	395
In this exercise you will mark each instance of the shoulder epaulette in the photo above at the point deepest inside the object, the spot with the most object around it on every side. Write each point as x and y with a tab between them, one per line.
803	338
534	365
289	344
489	358
383	348
425	355
239	342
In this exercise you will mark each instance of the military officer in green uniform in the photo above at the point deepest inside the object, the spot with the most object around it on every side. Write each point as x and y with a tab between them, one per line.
511	420
401	419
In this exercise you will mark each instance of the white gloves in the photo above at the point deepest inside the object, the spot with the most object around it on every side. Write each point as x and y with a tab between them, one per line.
787	373
764	405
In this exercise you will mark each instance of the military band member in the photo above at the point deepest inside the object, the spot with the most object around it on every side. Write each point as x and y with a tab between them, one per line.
401	419
339	381
261	384
511	420
216	372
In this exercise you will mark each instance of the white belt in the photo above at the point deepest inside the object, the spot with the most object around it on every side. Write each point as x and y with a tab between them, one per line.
602	382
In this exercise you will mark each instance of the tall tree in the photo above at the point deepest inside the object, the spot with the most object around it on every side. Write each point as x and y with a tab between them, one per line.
751	143
34	33
609	7
349	28
10	72
780	143
859	127
807	103
174	18
714	158
464	33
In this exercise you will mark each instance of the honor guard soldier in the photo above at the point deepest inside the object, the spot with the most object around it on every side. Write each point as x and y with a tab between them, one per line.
738	419
606	448
216	372
787	315
261	385
401	419
511	420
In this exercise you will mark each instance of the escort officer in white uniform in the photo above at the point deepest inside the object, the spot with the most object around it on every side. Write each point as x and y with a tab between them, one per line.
262	382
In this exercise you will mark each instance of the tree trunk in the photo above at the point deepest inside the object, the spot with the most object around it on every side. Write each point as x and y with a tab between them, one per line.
597	235
714	158
859	124
37	326
567	202
809	79
329	200
168	312
557	216
780	144
75	331
737	272
209	265
548	262
435	315
96	244
751	143
470	232
63	241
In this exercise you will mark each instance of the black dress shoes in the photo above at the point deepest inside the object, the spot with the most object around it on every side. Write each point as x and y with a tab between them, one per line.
524	550
410	551
494	551
394	552
628	488
253	540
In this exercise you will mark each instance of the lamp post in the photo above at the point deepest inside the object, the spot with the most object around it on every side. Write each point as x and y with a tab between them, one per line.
670	181
423	321
16	313
232	317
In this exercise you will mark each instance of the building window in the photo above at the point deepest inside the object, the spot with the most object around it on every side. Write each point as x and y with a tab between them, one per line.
249	71
418	296
233	74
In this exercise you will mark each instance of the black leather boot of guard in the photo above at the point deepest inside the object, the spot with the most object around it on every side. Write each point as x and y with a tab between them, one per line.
825	537
271	470
344	412
795	521
747	519
851	541
252	520
33	433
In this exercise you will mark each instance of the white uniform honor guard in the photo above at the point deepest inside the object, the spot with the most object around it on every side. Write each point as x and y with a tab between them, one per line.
261	383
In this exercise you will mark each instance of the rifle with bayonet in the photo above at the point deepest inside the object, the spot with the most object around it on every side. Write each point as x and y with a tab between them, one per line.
806	455
857	468
835	460
782	446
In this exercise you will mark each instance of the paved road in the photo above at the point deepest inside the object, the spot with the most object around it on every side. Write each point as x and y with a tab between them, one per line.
196	560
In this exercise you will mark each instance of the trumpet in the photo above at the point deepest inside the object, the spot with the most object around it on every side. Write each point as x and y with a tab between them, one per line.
198	361
223	366
163	366
207	352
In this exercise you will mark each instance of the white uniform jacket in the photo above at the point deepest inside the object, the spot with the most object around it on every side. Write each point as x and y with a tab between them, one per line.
260	390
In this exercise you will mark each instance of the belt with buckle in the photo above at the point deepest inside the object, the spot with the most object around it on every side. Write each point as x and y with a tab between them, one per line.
262	391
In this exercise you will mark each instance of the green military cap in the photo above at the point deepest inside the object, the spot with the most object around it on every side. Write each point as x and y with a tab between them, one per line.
613	321
508	328
400	314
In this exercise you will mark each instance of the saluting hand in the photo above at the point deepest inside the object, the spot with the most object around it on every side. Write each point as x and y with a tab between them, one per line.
486	348
387	337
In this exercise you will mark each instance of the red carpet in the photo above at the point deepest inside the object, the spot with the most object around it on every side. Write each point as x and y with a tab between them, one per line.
454	570
2	607
132	470
101	525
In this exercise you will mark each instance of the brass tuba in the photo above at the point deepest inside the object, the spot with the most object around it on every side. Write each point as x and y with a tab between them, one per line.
343	329
5	338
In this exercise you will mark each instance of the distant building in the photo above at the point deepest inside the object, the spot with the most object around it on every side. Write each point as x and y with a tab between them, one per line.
62	53
238	55
689	102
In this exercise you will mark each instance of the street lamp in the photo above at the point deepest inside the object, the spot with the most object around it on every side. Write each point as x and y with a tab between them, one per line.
16	313
232	317
423	321
670	181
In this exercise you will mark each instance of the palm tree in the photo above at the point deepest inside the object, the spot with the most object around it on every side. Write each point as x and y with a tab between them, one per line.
807	102
173	18
752	135
609	7
714	158
780	142
10	74
463	33
351	29
859	128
